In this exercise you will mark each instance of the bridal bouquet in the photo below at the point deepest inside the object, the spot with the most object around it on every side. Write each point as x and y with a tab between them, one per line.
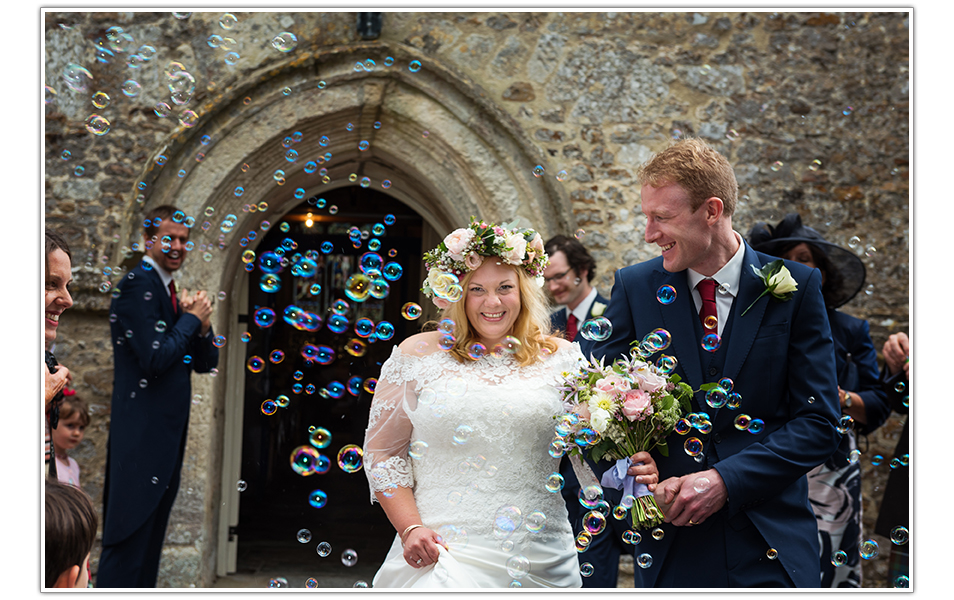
614	411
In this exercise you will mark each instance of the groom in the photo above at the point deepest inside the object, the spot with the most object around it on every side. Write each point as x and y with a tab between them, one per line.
737	514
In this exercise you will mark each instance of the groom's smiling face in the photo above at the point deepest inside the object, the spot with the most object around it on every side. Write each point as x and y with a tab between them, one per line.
681	233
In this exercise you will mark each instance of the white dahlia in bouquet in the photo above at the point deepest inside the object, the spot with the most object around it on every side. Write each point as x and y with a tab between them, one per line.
614	411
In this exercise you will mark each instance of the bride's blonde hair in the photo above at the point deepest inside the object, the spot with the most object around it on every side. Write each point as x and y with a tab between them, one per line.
531	328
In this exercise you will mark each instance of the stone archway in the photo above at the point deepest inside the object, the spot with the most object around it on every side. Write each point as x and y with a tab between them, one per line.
473	160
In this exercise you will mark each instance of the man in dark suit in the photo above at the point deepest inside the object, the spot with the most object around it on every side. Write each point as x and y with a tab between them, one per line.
568	277
737	514
158	338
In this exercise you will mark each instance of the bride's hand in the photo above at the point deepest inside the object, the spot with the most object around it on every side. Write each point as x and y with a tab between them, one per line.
647	472
420	547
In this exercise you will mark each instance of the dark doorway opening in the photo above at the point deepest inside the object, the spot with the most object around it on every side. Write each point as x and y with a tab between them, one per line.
275	504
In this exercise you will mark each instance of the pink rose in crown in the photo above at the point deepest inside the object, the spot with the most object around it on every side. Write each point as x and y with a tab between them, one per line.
473	261
457	241
611	384
535	247
637	406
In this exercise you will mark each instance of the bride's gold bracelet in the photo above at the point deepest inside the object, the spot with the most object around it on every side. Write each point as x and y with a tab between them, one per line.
409	529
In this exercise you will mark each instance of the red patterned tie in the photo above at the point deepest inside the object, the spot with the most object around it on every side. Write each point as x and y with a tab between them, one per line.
172	296
707	289
571	327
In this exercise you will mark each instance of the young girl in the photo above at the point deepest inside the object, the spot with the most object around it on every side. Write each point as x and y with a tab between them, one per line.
74	417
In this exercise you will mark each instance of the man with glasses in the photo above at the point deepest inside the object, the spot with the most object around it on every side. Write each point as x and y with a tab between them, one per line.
568	278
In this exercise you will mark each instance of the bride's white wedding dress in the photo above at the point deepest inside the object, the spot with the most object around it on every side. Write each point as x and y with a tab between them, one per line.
472	441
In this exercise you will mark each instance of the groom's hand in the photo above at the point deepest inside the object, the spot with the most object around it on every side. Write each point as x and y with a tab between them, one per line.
697	495
665	494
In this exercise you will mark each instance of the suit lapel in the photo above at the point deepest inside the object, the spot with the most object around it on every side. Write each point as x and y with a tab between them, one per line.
745	328
161	292
677	318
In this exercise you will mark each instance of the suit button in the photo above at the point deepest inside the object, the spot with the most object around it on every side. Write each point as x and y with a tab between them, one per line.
713	371
717	438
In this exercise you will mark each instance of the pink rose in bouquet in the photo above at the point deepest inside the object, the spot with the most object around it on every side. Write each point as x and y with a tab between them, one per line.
651	381
612	383
638	405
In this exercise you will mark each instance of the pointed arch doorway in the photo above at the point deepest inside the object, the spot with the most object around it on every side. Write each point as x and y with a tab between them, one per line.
292	403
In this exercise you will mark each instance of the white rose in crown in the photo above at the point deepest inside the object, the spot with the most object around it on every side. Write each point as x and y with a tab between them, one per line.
438	282
778	282
598	309
519	248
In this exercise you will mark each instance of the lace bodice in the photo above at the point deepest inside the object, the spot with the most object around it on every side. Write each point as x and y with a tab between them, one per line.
470	439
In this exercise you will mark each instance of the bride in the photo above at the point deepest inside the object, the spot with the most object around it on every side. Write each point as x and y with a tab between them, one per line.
456	449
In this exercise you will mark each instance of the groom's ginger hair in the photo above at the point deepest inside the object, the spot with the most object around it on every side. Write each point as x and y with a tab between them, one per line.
697	168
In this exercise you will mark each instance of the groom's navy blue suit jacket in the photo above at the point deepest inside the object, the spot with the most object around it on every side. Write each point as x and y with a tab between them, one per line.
780	357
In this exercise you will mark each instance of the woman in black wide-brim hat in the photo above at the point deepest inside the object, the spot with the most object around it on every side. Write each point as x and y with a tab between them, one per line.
834	488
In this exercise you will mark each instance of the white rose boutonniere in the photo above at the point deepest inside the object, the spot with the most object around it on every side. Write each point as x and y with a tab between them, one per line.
778	282
598	309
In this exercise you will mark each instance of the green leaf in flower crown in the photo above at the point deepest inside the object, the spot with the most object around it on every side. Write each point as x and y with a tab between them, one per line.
705	387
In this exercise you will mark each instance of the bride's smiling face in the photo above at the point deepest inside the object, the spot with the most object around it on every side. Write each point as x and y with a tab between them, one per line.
492	301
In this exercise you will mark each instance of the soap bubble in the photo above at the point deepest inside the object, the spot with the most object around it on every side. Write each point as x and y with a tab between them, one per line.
899	535
666	294
349	558
536	521
285	41
278	582
350	458
414	66
506	520
693	446
716	397
869	549
554	482
304	536
538	171
711	342
597	329
594	522
323	549
304	460
320	437
518	566
255	364
839	558
77	77
771	553
411	311
644	561
97	125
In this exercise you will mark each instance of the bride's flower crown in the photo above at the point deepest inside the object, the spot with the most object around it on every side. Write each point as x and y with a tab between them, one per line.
464	249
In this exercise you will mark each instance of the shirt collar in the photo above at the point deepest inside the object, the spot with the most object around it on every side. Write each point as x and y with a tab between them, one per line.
728	275
582	310
164	275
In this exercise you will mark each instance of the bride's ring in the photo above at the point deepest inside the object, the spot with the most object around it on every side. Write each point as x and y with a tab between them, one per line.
691	522
418	561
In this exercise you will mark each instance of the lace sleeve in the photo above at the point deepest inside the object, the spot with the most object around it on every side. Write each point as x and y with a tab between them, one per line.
389	428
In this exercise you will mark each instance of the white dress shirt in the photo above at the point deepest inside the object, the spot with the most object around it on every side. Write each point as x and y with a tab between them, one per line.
164	275
727	280
582	310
